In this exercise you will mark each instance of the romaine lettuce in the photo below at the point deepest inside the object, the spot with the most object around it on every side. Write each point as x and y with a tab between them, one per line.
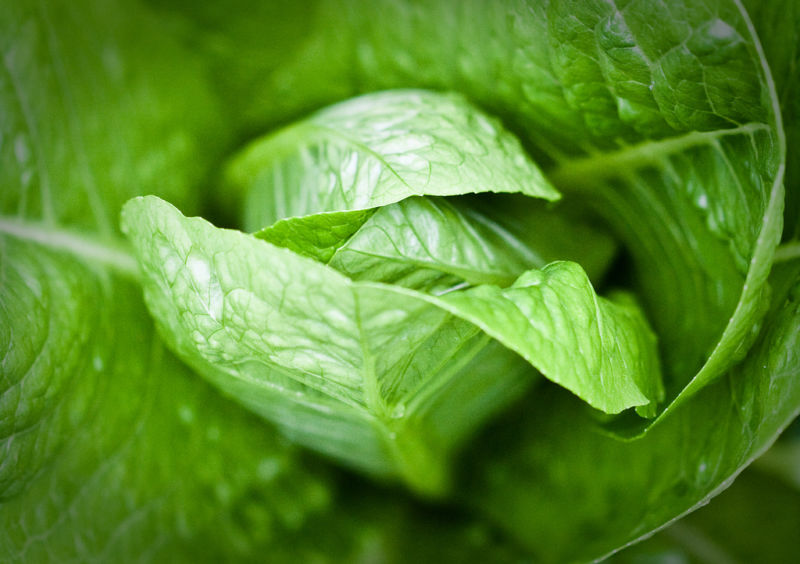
489	281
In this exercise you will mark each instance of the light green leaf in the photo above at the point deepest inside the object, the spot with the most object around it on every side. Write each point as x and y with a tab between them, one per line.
347	368
319	236
352	368
678	466
314	192
377	150
436	244
601	350
639	123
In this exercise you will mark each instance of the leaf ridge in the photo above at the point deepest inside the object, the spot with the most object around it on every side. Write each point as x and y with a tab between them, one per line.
111	252
604	164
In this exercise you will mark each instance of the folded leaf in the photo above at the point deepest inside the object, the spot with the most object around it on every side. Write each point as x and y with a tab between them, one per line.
315	188
334	363
436	244
672	135
352	368
678	466
113	451
602	351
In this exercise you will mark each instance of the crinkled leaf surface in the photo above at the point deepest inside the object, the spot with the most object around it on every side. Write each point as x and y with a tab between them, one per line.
643	123
601	350
435	244
430	244
321	355
304	346
344	187
103	431
379	149
676	467
110	449
669	130
114	451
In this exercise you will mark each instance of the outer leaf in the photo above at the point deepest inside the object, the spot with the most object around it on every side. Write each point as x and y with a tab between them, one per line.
673	469
111	450
778	25
98	101
47	323
336	364
354	369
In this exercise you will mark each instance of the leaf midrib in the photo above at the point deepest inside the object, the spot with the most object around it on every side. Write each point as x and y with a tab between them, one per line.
602	165
108	252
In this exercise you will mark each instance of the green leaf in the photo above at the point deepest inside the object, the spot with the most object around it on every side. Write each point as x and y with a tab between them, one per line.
436	244
377	150
313	186
778	25
353	368
99	103
43	350
601	350
553	460
111	450
336	364
639	123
